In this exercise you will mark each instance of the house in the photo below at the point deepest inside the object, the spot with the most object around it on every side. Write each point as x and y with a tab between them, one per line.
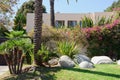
66	19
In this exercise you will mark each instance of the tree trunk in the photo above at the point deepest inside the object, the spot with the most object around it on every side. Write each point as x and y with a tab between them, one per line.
52	13
37	27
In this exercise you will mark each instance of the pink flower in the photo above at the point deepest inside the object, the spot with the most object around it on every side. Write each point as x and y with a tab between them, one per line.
100	38
115	22
109	26
88	36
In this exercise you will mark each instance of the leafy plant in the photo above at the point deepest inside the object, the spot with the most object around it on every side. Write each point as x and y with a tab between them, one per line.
101	21
19	22
104	40
67	48
44	53
87	22
14	34
14	51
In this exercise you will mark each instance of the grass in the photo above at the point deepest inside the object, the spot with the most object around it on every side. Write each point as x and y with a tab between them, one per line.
100	72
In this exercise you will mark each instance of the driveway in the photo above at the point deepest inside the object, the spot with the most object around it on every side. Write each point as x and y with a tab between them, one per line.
3	69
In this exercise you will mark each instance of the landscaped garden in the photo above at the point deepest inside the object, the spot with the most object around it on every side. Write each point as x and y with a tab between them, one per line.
87	52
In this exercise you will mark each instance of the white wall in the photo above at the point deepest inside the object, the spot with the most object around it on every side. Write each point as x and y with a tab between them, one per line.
66	17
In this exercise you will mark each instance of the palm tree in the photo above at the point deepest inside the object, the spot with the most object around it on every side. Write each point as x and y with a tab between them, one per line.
37	29
68	1
52	13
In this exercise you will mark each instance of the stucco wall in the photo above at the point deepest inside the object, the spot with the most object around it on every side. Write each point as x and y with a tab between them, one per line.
66	17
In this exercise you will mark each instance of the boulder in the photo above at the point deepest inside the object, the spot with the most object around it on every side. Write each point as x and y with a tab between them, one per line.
53	61
101	60
66	61
80	58
86	64
118	62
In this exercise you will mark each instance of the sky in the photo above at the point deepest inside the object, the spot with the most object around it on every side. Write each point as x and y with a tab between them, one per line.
82	6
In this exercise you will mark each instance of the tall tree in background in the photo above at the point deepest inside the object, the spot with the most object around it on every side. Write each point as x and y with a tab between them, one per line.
37	29
20	18
6	10
6	5
28	7
115	4
52	13
19	22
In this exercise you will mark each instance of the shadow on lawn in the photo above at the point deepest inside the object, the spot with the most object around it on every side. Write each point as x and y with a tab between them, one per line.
41	73
93	72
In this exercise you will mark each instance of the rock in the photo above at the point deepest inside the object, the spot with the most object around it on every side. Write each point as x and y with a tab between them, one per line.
101	60
80	58
118	62
86	64
66	61
53	61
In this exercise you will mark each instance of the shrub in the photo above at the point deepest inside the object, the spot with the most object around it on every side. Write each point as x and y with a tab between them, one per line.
67	48
45	55
50	37
14	51
87	22
103	20
104	40
19	22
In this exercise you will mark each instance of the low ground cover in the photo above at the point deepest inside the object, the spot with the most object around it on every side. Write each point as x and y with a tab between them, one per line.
100	72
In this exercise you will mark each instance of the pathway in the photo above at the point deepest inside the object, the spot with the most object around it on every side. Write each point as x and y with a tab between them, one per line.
3	69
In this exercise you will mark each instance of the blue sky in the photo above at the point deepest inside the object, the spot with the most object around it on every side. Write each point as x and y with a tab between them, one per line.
82	6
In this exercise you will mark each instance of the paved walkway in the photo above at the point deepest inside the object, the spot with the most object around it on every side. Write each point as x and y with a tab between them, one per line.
3	69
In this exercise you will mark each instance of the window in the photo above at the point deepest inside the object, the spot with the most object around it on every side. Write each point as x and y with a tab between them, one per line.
80	23
72	23
59	23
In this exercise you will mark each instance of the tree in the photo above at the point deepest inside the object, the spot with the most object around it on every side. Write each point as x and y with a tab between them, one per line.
6	5
19	22
29	7
13	50
37	29
52	13
20	18
115	4
6	9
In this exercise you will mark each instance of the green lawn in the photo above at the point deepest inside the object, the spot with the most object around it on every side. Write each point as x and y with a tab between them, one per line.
100	72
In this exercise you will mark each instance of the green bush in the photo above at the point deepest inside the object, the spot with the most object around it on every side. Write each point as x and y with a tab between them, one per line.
44	52
44	55
87	22
14	51
67	48
103	20
19	22
104	40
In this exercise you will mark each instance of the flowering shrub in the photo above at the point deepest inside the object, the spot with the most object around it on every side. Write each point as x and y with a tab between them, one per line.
104	40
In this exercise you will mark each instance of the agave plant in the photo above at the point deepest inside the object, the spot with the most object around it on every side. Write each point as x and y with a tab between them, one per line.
67	48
